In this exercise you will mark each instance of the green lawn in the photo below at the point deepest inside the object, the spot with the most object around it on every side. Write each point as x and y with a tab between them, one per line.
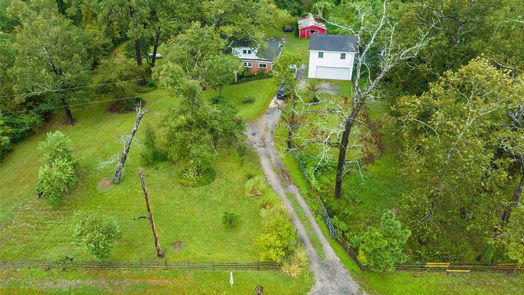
33	229
261	90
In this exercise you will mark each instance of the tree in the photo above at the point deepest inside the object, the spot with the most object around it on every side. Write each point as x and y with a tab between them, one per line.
150	153
278	236
513	237
380	248
239	18
127	145
58	173
194	129
373	34
452	139
221	70
51	55
97	234
285	73
117	77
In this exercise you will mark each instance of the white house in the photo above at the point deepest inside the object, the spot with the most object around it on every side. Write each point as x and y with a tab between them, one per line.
255	57
331	56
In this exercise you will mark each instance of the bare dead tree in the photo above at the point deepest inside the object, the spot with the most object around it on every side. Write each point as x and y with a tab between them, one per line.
383	38
159	251
127	145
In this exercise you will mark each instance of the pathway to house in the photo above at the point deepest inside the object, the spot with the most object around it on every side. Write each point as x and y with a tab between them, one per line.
331	277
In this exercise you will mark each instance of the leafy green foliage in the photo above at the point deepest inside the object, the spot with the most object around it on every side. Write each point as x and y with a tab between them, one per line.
193	131
380	248
451	138
150	153
297	263
230	220
513	236
58	173
278	238
97	233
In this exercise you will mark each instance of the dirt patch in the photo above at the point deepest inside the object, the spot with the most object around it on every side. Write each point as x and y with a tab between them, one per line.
126	105
327	87
178	245
104	183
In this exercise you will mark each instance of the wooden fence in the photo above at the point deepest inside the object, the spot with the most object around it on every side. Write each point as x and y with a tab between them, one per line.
141	264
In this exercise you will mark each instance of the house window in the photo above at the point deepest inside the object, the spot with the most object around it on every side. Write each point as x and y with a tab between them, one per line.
249	52
321	54
248	65
342	56
262	66
244	51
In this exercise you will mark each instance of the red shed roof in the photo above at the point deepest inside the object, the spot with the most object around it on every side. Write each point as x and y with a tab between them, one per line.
309	20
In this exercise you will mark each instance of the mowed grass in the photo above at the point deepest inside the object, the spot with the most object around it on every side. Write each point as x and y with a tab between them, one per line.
261	90
147	282
33	229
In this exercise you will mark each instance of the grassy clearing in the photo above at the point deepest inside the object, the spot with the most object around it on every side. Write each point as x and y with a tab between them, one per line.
32	229
261	90
148	282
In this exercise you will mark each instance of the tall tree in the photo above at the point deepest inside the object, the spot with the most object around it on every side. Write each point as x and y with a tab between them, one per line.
51	56
374	34
451	135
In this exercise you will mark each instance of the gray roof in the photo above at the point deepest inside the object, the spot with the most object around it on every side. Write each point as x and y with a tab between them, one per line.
332	42
271	52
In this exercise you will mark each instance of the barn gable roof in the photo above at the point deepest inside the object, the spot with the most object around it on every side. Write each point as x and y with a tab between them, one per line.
332	42
309	20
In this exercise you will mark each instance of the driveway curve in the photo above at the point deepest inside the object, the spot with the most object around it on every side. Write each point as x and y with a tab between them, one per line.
331	276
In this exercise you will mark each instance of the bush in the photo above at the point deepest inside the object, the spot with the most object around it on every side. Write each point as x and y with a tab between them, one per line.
294	265
230	220
254	186
150	154
58	173
217	99
97	233
278	238
248	100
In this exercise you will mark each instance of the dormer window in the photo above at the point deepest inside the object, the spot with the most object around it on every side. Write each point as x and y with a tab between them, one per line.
320	54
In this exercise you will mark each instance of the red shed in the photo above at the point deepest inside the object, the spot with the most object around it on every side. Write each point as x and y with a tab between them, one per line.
308	24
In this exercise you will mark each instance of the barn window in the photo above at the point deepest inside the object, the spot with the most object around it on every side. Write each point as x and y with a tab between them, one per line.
248	65
320	54
262	66
342	56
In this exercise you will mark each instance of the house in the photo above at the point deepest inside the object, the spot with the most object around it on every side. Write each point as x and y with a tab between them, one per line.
256	57
331	56
308	24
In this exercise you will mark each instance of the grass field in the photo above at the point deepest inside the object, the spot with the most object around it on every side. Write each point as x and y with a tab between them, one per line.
33	229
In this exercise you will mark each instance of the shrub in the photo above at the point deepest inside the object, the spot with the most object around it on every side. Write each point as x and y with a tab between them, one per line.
217	99
150	153
230	220
254	186
380	248
294	265
97	233
278	238
58	173
248	100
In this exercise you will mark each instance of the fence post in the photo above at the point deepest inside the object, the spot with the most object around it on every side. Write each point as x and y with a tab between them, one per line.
165	262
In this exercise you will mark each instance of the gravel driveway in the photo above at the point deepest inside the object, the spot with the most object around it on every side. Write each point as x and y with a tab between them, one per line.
331	277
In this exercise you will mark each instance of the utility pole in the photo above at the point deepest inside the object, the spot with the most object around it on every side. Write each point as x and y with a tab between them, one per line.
127	145
159	251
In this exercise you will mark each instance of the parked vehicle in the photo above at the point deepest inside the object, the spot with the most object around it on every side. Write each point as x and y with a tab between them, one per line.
158	55
282	91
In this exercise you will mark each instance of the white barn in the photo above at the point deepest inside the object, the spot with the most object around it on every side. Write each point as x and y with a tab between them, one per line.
331	56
